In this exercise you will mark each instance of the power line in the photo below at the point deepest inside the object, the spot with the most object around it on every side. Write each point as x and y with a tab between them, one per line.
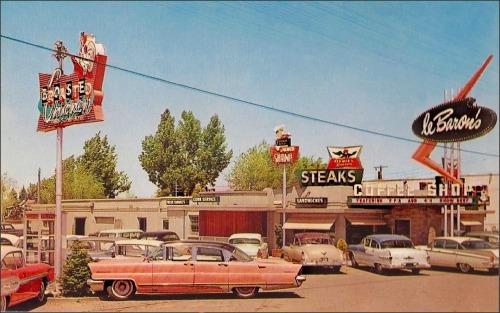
315	119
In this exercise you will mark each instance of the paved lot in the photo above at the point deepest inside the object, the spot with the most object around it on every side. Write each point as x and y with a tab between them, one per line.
352	290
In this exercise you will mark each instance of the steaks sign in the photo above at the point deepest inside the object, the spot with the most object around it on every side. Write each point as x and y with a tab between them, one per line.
454	121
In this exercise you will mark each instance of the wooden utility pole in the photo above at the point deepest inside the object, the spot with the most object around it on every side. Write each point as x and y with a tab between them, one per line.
379	170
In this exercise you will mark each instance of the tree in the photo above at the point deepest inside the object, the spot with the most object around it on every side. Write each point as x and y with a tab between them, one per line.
76	271
9	198
78	183
255	170
100	159
23	194
180	158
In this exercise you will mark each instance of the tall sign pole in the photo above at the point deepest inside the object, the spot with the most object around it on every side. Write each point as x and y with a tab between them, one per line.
283	153
69	100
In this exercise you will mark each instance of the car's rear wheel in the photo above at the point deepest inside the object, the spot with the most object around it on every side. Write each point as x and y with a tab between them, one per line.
465	268
41	292
3	304
415	271
336	269
121	289
378	268
353	260
245	292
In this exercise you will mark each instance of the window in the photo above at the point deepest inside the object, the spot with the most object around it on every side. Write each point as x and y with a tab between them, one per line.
194	223
142	223
104	220
166	223
209	255
13	261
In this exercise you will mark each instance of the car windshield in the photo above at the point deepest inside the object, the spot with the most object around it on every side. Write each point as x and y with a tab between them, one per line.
476	244
316	241
248	241
241	255
398	243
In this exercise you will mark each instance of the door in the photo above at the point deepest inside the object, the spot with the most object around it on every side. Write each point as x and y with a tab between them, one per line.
173	272
80	225
211	272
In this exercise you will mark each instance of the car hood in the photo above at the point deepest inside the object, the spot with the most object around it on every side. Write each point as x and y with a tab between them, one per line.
322	250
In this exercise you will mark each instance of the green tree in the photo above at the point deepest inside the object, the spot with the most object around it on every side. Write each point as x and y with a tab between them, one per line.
75	272
78	183
9	198
177	159
100	159
23	194
255	170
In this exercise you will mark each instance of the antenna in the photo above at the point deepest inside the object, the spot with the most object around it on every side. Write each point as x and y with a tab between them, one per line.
379	170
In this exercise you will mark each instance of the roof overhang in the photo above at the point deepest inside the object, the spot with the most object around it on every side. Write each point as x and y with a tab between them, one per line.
308	224
361	220
470	222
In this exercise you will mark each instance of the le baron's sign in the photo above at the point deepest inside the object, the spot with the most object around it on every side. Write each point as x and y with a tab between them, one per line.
455	121
76	98
284	154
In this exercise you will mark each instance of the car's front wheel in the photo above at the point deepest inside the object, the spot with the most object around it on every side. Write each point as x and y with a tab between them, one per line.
379	269
245	292
41	292
465	268
121	289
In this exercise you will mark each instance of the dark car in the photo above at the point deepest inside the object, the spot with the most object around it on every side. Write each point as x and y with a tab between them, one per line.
7	228
162	235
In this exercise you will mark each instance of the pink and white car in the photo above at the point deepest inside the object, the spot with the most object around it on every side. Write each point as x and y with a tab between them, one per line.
192	266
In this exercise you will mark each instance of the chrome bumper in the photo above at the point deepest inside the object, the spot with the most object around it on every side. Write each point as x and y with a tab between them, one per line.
96	285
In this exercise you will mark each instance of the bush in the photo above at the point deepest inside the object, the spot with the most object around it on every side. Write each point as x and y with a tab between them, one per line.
75	272
278	232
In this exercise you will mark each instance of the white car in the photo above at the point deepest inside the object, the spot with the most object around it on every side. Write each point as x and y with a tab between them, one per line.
251	243
464	253
388	252
314	249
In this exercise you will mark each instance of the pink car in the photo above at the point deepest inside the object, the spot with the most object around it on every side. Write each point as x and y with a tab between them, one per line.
191	266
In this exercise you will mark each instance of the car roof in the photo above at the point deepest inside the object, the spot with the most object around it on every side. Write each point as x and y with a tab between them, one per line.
94	238
8	249
246	235
384	237
202	243
11	237
157	233
149	242
459	239
122	230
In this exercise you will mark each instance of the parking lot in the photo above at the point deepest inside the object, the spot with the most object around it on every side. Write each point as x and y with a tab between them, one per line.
351	290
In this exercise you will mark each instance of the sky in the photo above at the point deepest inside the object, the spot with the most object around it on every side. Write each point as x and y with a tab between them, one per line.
334	73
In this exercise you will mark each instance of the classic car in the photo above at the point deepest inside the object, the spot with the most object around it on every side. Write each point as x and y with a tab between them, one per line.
191	266
464	253
251	243
388	252
489	236
10	240
33	278
125	233
163	235
314	249
7	228
100	248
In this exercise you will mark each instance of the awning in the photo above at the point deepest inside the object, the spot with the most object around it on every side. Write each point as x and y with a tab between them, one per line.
470	222
365	220
308	224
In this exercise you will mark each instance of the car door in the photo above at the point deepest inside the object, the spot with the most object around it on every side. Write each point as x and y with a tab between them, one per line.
211	271
443	253
362	256
172	271
29	286
295	250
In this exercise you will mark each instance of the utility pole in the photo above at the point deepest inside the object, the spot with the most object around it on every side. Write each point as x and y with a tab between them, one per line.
379	170
38	187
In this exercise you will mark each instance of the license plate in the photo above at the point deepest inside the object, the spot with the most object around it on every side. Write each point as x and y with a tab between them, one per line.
410	264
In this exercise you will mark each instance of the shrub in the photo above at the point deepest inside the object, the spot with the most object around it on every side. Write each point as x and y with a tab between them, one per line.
278	232
75	272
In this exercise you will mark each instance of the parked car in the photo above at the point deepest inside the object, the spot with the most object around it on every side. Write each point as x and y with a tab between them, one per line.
126	233
464	253
251	243
7	228
314	249
33	278
192	266
96	247
10	283
10	240
388	252
489	236
163	235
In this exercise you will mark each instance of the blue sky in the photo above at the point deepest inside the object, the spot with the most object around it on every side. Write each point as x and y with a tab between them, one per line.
334	73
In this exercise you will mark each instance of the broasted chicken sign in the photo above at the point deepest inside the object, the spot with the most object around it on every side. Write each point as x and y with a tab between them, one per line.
76	98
